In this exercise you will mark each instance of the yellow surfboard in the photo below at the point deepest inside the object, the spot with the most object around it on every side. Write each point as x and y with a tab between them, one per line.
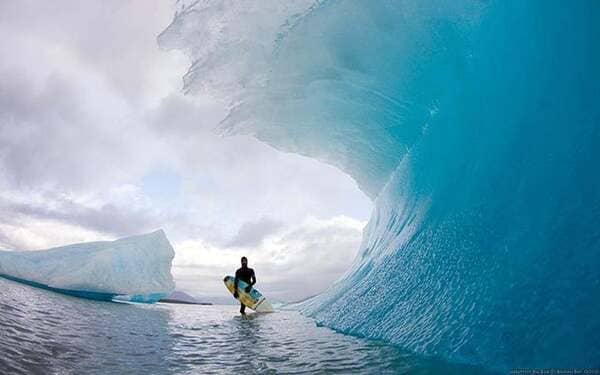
253	299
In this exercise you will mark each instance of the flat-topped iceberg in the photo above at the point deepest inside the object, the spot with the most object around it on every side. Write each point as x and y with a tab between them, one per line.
136	268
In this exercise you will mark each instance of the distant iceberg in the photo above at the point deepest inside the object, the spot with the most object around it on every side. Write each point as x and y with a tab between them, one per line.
181	297
136	269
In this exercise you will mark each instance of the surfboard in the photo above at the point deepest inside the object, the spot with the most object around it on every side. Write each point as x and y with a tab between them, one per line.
253	299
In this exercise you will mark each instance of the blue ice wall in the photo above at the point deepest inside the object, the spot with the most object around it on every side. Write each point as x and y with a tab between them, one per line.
475	127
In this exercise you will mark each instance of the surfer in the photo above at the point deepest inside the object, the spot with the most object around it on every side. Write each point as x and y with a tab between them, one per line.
247	275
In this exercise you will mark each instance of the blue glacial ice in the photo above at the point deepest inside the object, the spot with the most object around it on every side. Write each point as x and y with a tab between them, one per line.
136	269
475	128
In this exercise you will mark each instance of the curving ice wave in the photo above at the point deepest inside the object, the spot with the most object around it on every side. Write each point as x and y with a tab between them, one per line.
475	128
136	268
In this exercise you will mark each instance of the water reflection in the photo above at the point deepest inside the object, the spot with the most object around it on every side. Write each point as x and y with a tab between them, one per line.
44	332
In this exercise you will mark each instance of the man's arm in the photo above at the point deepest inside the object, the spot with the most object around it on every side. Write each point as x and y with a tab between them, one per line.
252	282
235	284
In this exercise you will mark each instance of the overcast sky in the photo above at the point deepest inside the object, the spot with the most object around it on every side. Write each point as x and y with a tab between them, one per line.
97	141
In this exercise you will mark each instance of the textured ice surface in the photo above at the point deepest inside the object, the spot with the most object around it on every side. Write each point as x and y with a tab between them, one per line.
474	126
137	267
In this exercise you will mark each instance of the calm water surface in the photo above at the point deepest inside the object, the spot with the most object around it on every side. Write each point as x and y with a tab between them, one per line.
48	333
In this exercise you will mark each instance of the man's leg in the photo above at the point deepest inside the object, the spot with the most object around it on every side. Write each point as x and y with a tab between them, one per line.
242	309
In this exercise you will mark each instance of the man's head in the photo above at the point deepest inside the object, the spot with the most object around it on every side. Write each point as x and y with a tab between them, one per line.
244	262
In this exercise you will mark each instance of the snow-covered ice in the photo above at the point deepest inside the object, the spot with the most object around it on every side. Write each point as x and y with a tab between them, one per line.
136	268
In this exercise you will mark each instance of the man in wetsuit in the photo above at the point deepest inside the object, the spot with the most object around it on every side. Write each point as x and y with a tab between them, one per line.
247	275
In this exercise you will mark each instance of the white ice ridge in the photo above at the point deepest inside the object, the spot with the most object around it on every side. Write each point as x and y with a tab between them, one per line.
135	266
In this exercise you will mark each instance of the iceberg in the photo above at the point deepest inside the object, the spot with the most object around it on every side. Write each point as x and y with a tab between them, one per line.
474	128
181	297
131	269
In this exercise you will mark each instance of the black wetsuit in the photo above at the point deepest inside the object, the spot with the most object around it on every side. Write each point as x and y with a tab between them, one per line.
247	275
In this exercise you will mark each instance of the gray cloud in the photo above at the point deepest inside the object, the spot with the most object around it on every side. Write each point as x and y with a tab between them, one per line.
89	107
105	35
8	243
107	218
300	260
68	128
46	136
252	233
75	79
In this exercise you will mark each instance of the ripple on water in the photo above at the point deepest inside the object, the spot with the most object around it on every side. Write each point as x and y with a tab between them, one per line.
45	332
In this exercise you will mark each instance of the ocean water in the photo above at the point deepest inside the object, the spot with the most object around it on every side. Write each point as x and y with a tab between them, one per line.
49	333
475	128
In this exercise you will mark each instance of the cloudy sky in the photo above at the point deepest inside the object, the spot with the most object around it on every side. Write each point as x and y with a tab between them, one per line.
97	141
